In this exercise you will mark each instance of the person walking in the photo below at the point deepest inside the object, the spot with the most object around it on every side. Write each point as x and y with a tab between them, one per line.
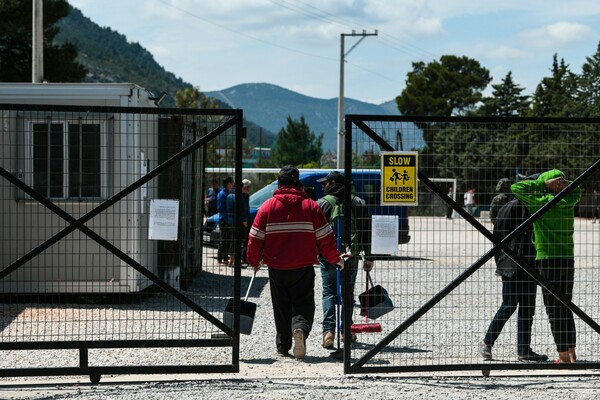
333	188
518	288
287	232
555	251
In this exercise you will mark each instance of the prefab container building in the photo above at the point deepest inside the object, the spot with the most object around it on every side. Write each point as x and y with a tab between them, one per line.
77	160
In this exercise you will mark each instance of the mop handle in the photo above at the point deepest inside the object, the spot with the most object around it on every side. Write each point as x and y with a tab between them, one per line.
370	279
249	286
367	298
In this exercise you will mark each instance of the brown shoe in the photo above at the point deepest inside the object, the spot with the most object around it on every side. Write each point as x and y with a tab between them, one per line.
328	339
299	344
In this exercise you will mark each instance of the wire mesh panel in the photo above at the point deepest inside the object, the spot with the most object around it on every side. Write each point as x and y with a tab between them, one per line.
454	308
102	221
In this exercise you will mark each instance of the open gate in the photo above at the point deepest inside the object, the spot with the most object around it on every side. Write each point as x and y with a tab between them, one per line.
443	283
101	234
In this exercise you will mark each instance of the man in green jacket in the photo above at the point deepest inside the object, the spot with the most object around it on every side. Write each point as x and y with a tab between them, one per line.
555	249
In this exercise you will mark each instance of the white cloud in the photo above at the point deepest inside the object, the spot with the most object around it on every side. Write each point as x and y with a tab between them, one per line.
504	52
557	34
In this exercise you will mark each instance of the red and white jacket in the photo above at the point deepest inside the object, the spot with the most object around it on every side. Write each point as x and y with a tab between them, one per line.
288	230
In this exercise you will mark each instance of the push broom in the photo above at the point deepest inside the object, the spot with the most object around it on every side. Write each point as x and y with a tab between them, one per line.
366	327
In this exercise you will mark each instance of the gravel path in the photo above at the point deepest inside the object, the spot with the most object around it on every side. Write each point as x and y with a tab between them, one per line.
447	334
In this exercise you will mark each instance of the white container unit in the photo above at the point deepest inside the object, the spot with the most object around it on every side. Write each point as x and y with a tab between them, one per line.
91	157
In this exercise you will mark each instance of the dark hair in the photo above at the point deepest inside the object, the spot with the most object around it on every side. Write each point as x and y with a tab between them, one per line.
227	180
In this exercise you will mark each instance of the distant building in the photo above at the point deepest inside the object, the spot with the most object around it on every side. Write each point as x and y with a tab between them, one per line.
257	154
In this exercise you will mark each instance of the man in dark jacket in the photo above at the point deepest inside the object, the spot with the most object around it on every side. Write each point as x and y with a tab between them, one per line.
333	185
504	196
518	288
288	231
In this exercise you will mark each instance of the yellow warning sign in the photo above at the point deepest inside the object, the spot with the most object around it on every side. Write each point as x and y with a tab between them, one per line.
399	178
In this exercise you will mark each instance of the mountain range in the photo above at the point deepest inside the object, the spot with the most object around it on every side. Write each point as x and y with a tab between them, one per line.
269	105
110	57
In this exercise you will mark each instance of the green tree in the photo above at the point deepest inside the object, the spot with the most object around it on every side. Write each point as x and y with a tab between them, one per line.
193	98
556	95
297	145
60	63
589	85
506	100
451	86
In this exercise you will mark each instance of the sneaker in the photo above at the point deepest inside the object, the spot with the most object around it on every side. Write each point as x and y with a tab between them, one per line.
328	339
485	350
299	344
533	356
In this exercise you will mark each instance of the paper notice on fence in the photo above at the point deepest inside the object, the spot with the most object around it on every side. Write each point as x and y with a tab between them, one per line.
384	234
164	218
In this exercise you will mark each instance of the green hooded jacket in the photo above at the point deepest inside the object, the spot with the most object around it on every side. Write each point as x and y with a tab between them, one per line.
553	232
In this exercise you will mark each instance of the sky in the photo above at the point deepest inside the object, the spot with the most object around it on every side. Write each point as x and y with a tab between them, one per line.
296	44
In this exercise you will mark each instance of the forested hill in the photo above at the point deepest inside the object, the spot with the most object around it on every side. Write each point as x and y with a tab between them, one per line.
109	57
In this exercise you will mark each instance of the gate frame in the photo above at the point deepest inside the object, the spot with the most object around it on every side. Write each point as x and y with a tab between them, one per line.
231	336
499	245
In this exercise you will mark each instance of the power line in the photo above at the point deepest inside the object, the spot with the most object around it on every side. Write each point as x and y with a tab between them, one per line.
387	40
244	34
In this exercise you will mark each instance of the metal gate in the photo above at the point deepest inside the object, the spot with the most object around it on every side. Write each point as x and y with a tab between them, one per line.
443	282
103	265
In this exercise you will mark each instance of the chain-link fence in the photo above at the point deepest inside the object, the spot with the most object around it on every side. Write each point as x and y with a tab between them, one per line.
102	218
443	283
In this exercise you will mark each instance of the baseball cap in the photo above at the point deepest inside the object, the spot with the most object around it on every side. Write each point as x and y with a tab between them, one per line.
335	176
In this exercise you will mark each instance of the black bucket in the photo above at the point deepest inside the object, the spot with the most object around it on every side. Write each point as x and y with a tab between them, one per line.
247	312
375	302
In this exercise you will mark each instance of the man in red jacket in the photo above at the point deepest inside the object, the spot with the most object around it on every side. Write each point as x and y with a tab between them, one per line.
288	230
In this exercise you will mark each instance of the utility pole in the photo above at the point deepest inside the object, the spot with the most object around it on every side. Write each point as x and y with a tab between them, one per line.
37	47
340	130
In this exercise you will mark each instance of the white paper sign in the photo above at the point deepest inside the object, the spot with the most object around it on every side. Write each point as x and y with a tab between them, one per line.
164	219
384	234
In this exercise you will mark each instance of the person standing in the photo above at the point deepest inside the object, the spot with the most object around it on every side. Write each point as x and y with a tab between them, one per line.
333	188
287	231
555	251
504	196
246	187
518	288
210	201
449	209
596	206
469	200
225	222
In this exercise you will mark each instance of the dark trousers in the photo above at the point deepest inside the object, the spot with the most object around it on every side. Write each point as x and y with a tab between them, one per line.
560	273
517	291
225	243
293	298
449	212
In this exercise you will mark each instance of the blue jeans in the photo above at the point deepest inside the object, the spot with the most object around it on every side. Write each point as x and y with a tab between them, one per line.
517	291
560	273
329	278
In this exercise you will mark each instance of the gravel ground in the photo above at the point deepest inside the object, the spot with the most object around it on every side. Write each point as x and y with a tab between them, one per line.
447	334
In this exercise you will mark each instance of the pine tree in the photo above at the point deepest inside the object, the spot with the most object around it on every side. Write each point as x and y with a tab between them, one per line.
506	100
15	43
297	145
